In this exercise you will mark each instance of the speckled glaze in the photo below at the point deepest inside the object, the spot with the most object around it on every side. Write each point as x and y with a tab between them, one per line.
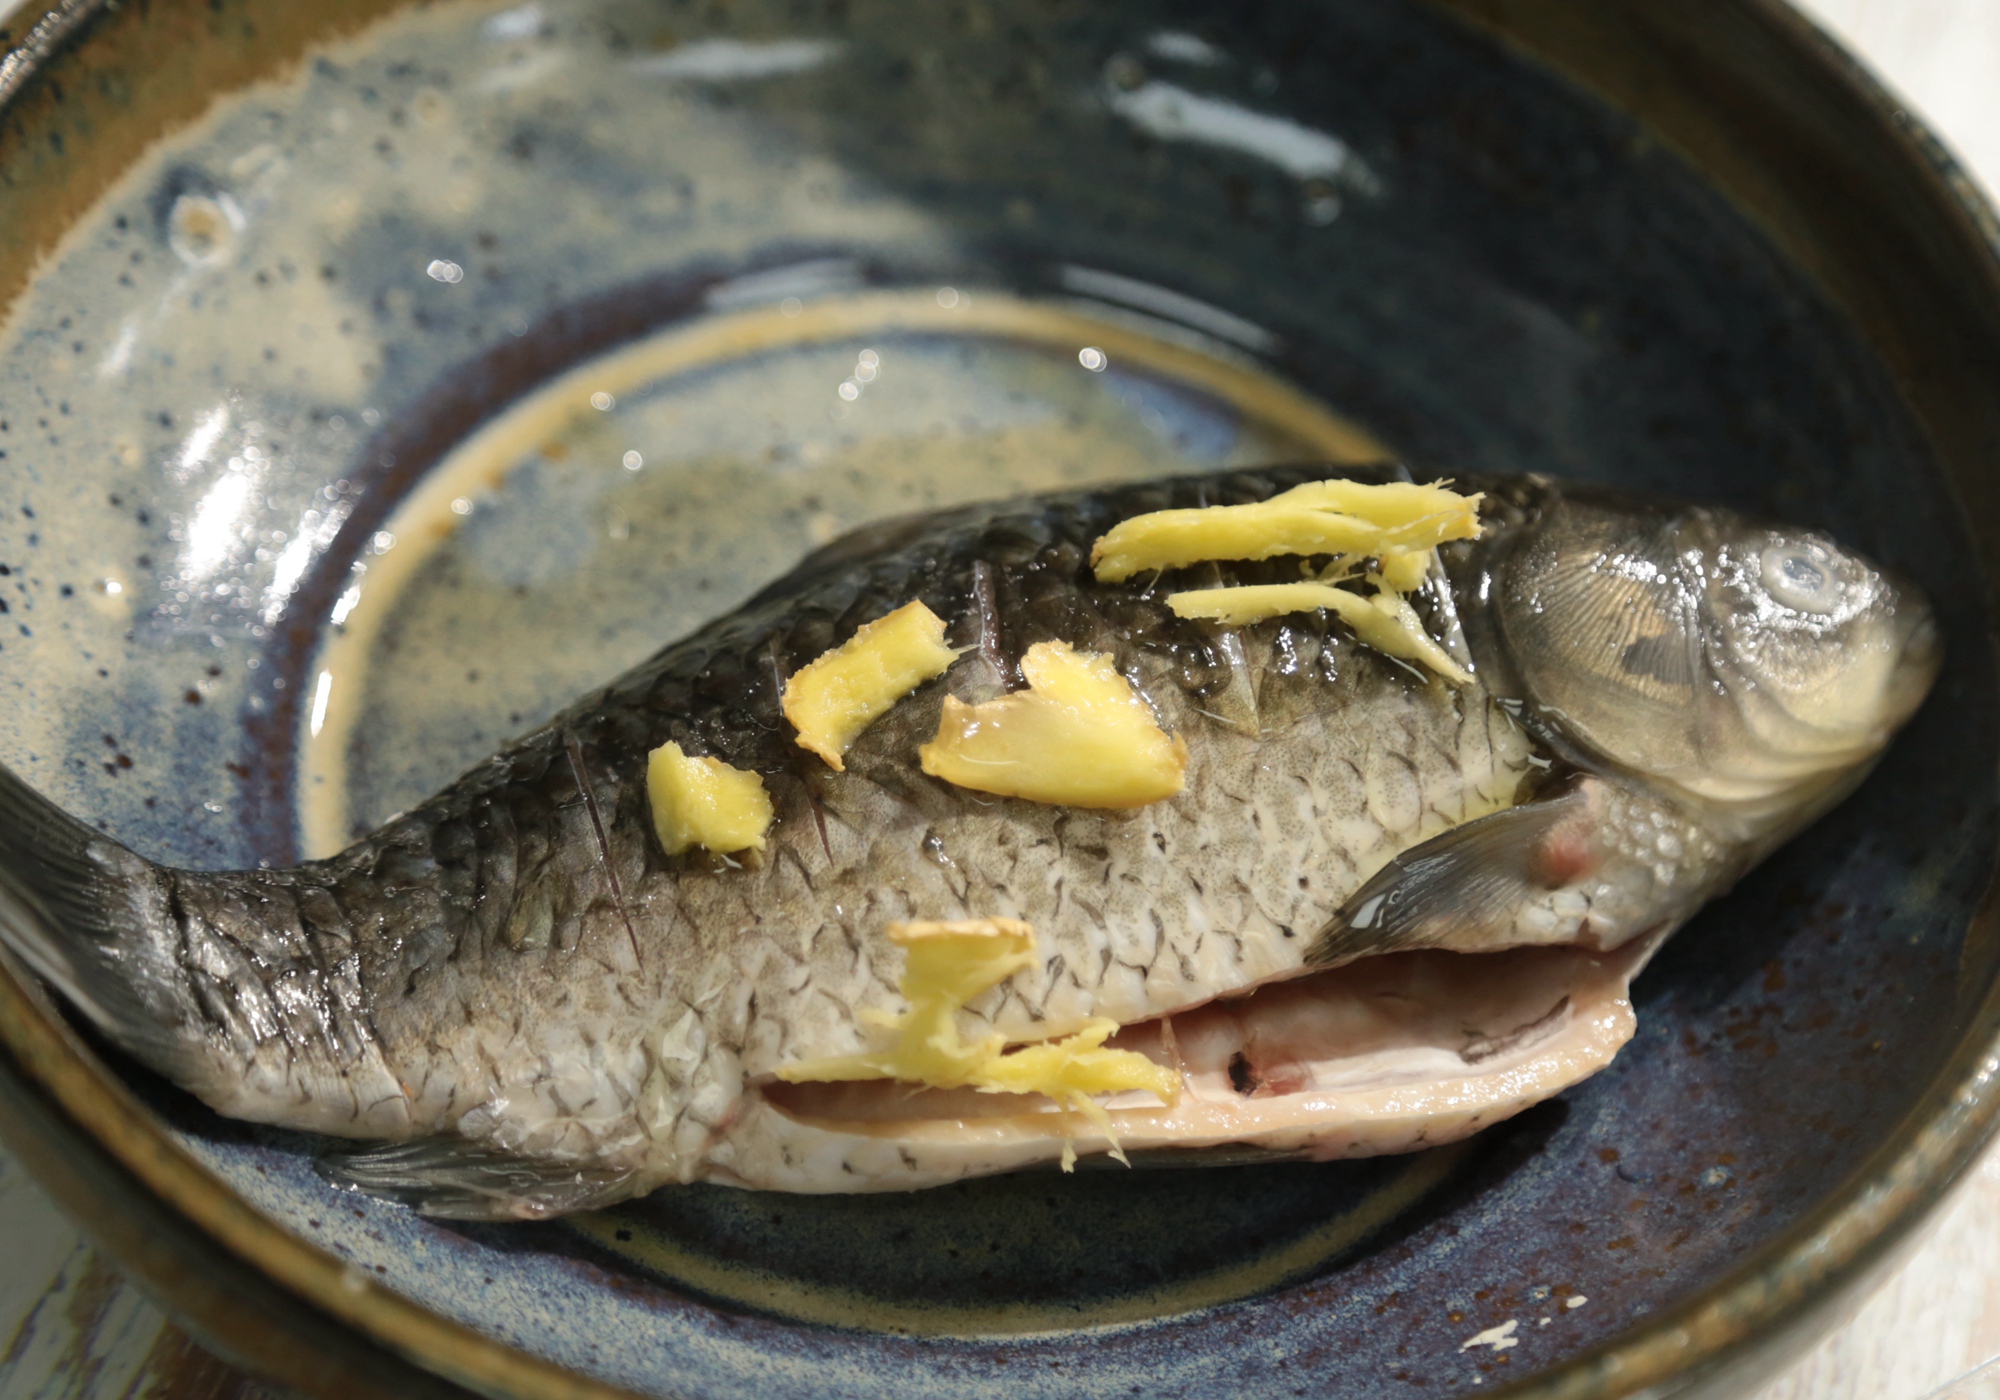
1493	235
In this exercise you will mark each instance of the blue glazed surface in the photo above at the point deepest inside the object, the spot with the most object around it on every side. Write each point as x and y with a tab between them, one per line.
1482	267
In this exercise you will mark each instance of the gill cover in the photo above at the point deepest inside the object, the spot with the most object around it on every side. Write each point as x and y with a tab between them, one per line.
1747	666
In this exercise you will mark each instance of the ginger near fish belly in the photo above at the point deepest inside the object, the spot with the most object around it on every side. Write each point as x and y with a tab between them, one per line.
831	700
1078	737
949	963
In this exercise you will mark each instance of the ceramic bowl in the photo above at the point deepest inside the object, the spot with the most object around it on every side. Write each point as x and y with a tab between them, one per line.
378	377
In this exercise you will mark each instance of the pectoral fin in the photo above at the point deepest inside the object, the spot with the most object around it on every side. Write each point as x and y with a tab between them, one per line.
453	1179
1465	888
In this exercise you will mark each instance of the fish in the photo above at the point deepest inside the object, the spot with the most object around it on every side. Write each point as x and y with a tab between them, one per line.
1385	910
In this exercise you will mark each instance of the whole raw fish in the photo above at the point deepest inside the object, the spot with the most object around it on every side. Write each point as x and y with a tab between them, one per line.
1440	890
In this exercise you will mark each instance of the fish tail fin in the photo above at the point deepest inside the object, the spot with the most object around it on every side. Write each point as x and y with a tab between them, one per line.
87	916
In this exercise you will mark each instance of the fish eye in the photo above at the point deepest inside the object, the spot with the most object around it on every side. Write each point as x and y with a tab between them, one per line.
1799	578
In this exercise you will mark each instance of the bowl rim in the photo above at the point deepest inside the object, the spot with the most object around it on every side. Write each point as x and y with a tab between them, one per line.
1846	1242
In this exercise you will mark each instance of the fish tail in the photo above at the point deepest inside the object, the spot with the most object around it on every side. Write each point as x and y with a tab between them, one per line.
218	980
85	914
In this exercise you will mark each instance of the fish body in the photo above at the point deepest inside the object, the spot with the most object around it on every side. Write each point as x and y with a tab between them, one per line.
539	1010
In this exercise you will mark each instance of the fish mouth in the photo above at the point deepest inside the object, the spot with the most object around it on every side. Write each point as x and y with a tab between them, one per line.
1385	1054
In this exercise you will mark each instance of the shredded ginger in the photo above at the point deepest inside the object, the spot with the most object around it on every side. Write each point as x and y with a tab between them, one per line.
1385	621
1341	518
949	963
1397	525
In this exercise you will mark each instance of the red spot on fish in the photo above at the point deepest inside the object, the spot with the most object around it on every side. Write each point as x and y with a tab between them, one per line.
1286	1078
1565	857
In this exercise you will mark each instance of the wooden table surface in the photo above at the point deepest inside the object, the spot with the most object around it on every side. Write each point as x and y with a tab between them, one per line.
71	1329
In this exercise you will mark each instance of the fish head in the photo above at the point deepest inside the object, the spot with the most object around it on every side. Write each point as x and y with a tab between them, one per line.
1757	668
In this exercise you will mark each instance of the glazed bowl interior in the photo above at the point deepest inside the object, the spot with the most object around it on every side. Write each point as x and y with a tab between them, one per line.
456	357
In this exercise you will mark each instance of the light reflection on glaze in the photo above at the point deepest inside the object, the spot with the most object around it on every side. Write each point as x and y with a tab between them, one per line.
734	60
1174	113
1168	304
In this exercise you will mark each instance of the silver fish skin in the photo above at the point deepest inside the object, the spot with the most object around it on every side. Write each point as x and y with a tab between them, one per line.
539	1011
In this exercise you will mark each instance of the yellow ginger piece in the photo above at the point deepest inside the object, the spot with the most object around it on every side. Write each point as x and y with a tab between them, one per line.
1078	737
705	802
946	965
1320	517
1404	570
1385	621
831	700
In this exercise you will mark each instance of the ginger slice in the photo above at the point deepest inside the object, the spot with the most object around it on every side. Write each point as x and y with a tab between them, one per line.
1078	737
1385	621
946	965
1320	517
705	802
832	699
